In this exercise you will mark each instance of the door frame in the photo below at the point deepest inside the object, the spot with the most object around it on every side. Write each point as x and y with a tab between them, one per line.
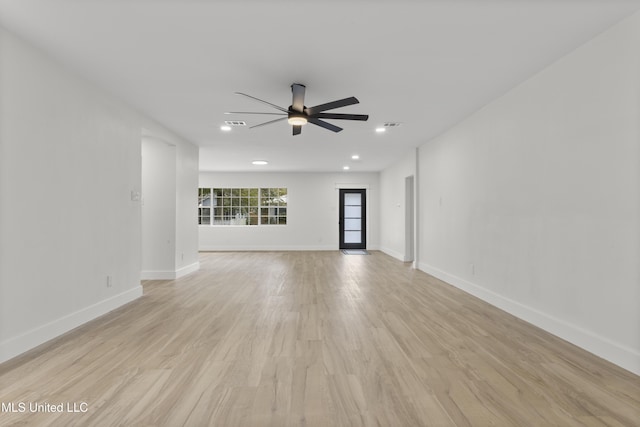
409	221
364	213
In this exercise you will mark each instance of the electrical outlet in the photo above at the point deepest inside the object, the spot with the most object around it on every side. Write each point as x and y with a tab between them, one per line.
473	269
109	282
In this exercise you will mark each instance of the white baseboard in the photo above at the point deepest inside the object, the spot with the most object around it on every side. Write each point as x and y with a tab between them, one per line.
187	269
397	255
33	338
620	355
158	275
212	248
169	274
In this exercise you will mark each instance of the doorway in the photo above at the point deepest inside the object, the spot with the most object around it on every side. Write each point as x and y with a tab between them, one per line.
353	218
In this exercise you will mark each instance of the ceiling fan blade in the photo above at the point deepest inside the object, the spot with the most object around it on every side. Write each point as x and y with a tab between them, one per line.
324	124
331	105
268	123
336	116
298	97
297	130
253	112
264	102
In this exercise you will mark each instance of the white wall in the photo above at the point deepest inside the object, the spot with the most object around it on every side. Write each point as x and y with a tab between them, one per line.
70	157
312	211
392	205
533	203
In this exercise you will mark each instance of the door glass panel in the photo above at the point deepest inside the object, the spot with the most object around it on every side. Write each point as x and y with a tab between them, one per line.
353	199
352	211
352	236
353	224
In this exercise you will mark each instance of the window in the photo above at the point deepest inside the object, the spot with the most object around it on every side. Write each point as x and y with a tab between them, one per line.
204	206
273	205
242	206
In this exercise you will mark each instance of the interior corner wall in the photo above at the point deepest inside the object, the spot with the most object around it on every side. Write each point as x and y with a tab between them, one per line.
312	211
158	209
393	204
533	203
187	237
70	160
169	219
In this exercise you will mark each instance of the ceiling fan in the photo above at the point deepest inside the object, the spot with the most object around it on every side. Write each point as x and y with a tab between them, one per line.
299	115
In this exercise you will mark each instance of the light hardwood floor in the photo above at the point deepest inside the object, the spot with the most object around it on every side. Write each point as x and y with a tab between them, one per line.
315	339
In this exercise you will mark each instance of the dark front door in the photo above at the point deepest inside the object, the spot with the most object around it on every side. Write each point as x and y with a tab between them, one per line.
353	219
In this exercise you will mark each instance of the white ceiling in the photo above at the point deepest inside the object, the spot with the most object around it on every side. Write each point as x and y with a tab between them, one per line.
426	64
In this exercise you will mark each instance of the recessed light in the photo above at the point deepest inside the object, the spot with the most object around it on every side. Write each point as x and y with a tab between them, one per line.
345	168
260	162
225	128
380	130
355	157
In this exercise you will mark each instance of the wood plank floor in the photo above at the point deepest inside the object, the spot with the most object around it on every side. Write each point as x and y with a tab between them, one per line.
314	339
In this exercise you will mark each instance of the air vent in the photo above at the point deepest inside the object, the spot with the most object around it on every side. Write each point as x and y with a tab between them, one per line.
391	124
235	123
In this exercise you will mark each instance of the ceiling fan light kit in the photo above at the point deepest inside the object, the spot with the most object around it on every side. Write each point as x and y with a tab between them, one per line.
298	115
297	120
